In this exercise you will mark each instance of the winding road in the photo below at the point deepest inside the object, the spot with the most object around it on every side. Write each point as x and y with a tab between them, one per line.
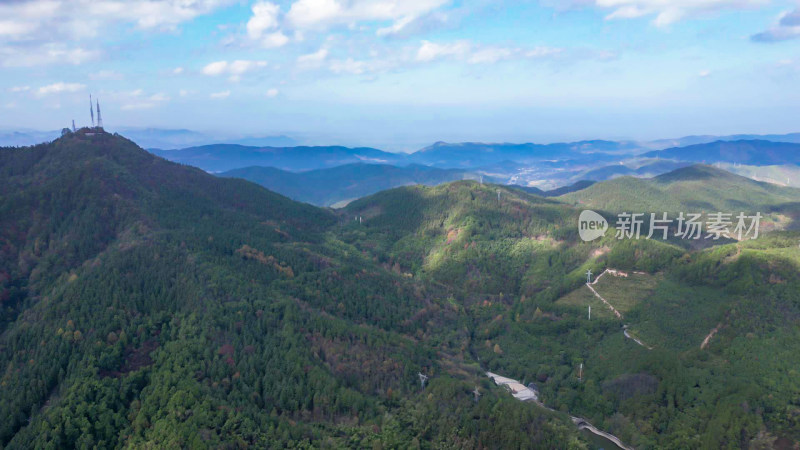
614	310
580	422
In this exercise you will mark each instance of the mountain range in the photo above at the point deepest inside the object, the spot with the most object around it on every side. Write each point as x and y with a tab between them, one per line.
225	157
750	152
340	184
150	304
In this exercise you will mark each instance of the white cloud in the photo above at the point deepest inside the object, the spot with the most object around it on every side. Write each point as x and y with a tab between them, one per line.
106	75
57	88
542	52
20	89
137	99
263	25
160	97
215	68
177	71
350	66
12	29
265	17
220	95
312	60
274	40
786	27
272	93
38	32
430	51
476	54
490	55
15	56
704	73
667	12
235	69
324	13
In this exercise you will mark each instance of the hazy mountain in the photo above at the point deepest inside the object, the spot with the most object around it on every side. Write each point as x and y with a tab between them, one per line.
706	139
327	187
475	154
224	157
577	186
167	139
150	138
26	137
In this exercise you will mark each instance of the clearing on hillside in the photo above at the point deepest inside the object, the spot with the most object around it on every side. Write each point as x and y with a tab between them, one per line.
657	310
623	290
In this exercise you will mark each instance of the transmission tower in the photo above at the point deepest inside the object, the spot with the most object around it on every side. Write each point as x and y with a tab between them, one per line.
99	117
422	379
73	126
91	109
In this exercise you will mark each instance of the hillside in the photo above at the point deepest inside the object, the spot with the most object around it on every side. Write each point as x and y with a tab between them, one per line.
327	187
750	152
691	189
509	262
148	304
224	157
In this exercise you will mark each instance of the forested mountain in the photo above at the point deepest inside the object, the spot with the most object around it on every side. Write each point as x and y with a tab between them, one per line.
695	189
224	157
152	305
717	325
750	152
327	187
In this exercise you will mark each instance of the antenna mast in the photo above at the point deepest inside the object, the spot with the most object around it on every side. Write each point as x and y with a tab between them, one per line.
91	109
73	126
99	117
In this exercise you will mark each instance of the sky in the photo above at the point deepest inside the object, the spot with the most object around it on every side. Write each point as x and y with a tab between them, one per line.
401	74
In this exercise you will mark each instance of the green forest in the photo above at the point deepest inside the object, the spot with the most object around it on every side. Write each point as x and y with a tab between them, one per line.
147	304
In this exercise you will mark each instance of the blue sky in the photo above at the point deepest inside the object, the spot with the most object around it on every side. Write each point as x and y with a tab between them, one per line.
399	74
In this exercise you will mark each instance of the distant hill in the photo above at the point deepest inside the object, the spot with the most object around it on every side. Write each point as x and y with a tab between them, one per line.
616	170
225	157
161	138
750	152
692	189
577	186
705	139
26	137
327	187
476	154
